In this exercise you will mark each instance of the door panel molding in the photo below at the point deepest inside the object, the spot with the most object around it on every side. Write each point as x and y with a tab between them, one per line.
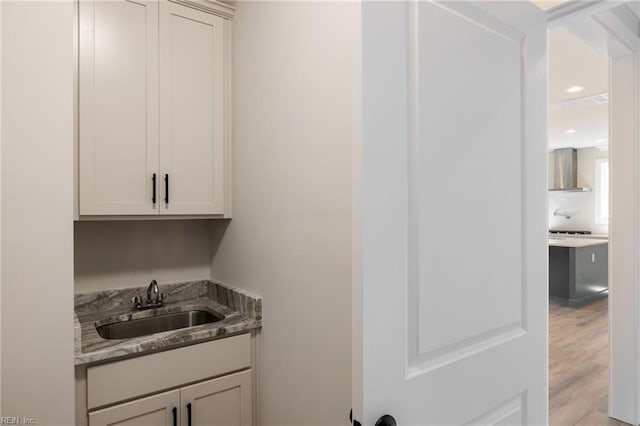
441	357
432	201
491	352
511	412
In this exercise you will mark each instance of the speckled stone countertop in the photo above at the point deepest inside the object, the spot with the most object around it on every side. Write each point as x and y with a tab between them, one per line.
242	311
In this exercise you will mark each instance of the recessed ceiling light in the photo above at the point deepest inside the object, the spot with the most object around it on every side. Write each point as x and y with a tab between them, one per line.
570	131
574	89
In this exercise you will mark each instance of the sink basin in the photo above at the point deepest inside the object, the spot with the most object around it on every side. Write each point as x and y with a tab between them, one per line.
156	324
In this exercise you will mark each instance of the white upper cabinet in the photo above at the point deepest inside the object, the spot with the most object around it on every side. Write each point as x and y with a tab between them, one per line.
192	110
118	107
153	108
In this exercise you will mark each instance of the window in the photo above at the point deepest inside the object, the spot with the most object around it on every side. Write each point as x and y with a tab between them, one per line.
602	191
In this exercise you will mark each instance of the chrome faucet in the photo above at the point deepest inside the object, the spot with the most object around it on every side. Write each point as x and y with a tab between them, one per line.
153	294
154	298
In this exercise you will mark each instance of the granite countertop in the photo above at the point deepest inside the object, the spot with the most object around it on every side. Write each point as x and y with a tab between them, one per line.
242	312
576	242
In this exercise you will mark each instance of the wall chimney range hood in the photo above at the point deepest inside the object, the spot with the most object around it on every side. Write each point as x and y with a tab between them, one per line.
565	171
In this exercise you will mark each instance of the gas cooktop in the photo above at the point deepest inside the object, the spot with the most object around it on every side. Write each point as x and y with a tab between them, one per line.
562	232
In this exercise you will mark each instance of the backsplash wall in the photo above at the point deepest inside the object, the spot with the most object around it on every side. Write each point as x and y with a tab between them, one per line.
581	205
117	254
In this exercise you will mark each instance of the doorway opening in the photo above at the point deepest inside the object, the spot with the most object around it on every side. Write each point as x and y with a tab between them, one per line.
578	206
592	324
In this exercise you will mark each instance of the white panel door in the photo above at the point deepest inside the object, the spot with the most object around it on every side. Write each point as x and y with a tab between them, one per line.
156	410
191	110
225	401
454	248
118	107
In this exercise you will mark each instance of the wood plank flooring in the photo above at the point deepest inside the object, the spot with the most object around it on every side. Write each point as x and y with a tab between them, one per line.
578	364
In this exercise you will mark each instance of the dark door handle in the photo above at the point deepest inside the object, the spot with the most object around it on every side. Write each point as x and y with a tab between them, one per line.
175	416
386	420
153	183
166	188
189	414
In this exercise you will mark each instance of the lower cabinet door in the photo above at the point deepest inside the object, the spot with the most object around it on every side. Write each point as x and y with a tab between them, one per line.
225	401
157	410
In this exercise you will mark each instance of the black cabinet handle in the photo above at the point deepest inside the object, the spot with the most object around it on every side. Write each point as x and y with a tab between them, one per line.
175	416
386	420
166	188
189	414
153	197
351	419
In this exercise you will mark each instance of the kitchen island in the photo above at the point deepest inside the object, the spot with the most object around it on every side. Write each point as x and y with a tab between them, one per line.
578	269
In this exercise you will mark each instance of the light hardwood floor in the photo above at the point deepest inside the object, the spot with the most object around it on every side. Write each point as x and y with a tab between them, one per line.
578	364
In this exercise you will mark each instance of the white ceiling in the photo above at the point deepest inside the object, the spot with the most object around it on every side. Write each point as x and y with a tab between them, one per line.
547	4
573	63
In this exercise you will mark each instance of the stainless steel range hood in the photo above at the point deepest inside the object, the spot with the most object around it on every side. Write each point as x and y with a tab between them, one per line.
565	171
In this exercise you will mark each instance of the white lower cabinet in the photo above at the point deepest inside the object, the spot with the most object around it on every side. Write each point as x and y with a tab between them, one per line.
220	402
156	410
225	401
205	384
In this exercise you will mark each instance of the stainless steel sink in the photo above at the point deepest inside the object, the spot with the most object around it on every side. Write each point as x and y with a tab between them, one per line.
156	324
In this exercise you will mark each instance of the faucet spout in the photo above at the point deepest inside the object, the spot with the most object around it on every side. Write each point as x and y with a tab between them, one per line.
153	293
154	298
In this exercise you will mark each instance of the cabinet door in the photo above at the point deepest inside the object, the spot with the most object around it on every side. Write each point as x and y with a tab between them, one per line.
118	106
157	410
192	105
225	401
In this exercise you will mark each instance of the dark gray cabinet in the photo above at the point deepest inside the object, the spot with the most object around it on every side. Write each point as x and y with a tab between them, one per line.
579	274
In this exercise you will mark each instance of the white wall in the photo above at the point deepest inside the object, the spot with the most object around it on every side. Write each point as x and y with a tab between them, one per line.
117	254
582	205
290	237
624	83
37	211
0	204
